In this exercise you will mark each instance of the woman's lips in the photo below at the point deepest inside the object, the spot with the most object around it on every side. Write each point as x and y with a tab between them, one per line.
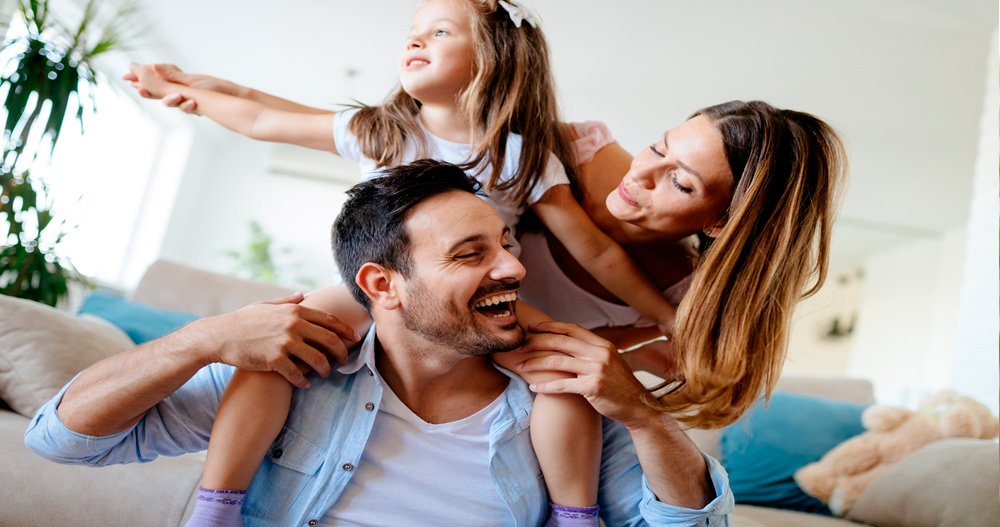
626	196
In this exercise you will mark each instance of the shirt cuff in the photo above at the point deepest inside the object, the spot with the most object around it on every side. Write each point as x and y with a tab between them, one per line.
715	514
48	437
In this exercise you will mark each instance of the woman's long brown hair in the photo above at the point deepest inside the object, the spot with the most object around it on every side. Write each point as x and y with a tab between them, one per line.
512	91
732	326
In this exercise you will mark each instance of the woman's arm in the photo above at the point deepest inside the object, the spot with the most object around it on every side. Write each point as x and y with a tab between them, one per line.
246	115
676	471
604	259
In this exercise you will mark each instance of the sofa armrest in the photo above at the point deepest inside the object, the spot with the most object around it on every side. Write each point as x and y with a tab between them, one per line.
946	483
177	287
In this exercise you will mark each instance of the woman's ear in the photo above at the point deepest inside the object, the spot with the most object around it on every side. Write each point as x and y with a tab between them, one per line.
377	282
715	230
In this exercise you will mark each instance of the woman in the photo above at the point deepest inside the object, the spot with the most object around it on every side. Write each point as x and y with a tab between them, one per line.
732	210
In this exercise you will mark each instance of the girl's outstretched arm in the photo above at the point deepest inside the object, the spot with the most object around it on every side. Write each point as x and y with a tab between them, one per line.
172	73
246	115
602	257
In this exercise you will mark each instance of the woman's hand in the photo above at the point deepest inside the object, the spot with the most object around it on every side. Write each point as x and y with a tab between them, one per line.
602	376
657	357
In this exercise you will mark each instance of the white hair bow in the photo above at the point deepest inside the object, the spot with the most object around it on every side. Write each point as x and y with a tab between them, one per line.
517	14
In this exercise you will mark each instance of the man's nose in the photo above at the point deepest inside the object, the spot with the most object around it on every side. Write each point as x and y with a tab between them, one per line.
507	267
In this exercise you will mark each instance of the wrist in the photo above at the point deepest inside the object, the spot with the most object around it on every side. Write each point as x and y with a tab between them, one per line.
647	420
194	344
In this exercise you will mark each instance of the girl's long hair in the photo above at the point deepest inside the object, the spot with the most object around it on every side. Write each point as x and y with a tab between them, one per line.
512	91
732	326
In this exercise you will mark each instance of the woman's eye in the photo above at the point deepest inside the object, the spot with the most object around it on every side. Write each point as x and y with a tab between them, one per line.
677	184
655	151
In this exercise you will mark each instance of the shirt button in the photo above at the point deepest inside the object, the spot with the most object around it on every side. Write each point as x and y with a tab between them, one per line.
369	406
348	467
370	374
277	453
313	523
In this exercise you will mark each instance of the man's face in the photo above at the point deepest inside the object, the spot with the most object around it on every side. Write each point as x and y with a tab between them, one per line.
464	281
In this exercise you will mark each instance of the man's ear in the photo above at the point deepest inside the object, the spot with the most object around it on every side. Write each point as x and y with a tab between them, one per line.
378	283
715	230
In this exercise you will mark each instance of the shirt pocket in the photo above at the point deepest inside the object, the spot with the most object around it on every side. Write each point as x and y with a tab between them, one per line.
285	473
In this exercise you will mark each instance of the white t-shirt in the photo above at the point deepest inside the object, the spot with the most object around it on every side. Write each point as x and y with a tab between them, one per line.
442	150
416	473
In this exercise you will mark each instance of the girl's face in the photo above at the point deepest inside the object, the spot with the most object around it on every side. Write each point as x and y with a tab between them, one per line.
438	61
680	185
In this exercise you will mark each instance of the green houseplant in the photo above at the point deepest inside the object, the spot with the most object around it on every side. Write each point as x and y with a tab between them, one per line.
47	70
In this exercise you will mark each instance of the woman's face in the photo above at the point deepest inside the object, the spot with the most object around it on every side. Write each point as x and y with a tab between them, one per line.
680	185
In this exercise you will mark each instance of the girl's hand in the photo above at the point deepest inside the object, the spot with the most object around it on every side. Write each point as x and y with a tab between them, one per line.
657	357
602	376
147	81
173	74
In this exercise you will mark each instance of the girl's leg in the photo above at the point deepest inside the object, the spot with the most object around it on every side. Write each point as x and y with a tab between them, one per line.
566	434
251	414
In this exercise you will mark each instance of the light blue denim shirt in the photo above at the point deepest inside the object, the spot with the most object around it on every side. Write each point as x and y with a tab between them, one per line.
311	461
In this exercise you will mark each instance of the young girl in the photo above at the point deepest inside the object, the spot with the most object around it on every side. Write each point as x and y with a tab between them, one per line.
476	91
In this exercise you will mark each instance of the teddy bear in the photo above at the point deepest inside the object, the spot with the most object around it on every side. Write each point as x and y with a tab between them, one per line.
892	433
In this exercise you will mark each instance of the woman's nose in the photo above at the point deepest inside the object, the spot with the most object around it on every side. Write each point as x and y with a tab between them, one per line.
643	176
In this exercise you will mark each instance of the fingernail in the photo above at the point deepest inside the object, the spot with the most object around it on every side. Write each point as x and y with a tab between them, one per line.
532	387
308	385
356	336
519	366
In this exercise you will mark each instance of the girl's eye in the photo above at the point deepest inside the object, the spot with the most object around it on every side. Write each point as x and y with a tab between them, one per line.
440	32
673	179
655	151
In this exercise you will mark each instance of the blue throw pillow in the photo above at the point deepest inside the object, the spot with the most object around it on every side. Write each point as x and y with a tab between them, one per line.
764	448
140	321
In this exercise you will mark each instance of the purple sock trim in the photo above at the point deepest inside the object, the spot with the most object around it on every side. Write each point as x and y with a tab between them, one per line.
217	508
227	497
561	511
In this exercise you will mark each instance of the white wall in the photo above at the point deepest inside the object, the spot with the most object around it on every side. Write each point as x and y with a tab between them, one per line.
976	363
907	318
226	186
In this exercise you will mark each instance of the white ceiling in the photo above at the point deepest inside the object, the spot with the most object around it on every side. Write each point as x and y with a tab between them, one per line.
903	80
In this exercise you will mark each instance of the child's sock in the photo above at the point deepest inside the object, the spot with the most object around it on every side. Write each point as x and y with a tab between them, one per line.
217	508
573	516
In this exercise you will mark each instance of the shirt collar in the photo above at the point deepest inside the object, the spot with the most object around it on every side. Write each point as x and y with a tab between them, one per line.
365	356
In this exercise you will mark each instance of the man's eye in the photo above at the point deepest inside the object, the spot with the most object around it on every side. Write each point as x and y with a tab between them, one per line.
508	246
467	256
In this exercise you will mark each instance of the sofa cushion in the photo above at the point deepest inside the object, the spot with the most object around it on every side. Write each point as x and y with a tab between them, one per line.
42	348
140	321
946	483
764	448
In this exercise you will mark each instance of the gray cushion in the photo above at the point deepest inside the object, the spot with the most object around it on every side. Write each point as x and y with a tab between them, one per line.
42	348
953	482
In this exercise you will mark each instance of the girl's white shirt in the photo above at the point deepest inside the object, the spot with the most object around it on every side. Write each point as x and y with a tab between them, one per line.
444	469
442	150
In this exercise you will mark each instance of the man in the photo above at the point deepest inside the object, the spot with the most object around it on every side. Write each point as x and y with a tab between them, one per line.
419	427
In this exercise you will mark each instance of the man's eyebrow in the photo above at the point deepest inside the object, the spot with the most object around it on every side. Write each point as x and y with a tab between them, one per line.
476	238
666	146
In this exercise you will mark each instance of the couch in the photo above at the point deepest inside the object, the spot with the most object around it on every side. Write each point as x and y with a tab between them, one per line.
41	349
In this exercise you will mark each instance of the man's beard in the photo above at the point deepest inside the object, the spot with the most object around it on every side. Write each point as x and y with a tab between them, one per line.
458	327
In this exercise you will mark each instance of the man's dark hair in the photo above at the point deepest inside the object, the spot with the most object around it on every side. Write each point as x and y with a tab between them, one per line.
370	227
